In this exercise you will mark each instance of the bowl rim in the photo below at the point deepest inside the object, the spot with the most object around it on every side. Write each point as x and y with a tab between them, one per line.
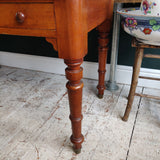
120	11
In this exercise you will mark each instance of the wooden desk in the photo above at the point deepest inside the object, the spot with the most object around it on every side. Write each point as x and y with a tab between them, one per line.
65	24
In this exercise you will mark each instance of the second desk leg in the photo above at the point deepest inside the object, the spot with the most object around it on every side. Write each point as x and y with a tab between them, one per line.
103	41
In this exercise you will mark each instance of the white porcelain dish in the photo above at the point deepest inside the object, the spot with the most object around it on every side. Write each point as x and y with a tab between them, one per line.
150	7
146	28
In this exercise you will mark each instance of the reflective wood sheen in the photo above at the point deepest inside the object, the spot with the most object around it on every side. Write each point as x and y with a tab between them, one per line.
127	1
27	1
98	12
20	17
103	47
37	16
65	24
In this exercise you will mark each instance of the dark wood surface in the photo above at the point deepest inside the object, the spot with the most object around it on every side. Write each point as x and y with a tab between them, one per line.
104	30
65	24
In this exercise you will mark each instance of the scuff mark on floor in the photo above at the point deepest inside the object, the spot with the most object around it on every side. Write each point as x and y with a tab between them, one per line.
55	109
37	152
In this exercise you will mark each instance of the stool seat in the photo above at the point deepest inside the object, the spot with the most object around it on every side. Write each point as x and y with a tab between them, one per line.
139	55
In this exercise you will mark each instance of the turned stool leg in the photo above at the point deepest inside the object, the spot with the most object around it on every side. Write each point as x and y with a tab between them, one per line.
74	85
135	75
103	40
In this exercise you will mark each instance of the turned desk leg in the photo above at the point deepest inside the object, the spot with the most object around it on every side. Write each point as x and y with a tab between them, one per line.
103	40
74	85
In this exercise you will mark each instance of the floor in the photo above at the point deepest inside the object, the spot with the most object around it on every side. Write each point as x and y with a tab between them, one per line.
34	123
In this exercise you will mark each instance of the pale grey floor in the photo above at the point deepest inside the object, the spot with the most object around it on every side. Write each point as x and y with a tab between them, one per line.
34	121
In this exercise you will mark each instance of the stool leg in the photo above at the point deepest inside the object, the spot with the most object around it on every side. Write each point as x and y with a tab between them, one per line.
135	75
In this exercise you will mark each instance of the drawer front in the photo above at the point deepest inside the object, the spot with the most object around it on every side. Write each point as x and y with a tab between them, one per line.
27	16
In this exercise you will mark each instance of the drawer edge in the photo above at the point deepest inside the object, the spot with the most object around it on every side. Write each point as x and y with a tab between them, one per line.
29	32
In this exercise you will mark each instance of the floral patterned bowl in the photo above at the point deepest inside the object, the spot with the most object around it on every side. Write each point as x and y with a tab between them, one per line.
146	28
150	7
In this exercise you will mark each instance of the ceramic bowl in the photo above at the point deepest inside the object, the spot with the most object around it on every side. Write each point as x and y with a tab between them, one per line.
150	7
146	28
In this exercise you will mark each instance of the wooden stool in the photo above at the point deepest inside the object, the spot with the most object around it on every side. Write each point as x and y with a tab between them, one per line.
136	69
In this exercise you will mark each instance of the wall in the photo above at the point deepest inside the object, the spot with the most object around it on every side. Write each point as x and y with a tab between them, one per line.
38	46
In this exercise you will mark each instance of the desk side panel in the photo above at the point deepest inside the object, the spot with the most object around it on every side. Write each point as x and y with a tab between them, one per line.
98	12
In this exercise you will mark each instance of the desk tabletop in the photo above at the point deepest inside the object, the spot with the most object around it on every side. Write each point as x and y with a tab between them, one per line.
127	1
117	1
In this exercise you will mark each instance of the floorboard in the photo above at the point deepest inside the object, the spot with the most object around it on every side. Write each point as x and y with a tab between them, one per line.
34	123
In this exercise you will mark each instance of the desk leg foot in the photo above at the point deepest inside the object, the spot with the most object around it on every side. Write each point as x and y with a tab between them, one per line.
77	151
74	85
100	96
103	41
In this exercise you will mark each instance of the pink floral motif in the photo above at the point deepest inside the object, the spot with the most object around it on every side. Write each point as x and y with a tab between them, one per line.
145	5
148	6
130	22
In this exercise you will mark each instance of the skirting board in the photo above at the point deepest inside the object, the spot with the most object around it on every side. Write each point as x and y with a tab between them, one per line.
57	66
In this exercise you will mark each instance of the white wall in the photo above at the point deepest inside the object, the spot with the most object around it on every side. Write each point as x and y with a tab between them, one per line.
55	65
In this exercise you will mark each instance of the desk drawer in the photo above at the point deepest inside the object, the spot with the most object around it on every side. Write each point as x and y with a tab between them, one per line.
27	16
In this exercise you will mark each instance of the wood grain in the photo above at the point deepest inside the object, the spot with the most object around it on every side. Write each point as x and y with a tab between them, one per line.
127	1
29	32
65	24
53	41
104	12
135	75
27	1
147	96
74	74
37	16
71	28
103	40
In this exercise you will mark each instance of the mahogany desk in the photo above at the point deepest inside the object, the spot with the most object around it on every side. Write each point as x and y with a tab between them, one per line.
65	24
